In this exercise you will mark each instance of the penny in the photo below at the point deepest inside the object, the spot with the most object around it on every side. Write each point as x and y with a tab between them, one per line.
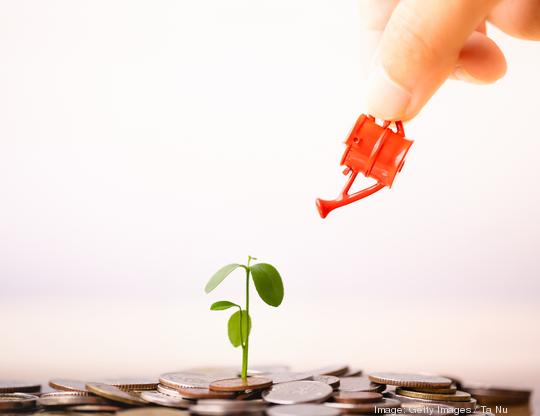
153	411
410	380
302	410
332	381
198	393
130	384
67	384
165	400
70	398
331	370
238	384
458	396
361	383
365	408
288	376
498	396
297	392
17	401
187	380
12	386
228	407
357	397
94	408
441	390
115	394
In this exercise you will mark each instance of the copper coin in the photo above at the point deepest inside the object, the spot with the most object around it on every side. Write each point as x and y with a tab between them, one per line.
331	370
17	401
115	394
13	386
410	380
458	396
441	390
361	383
498	396
237	384
332	381
200	393
365	408
64	384
357	397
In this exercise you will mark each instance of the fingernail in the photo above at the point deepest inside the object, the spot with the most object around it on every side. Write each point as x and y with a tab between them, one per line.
386	99
461	74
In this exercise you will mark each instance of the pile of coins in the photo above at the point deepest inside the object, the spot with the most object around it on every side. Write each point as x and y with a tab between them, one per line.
271	391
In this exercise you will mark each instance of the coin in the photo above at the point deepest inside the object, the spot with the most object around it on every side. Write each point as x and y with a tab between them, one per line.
302	410
238	384
115	394
198	393
357	397
288	376
165	400
67	384
365	408
153	411
94	408
168	391
410	380
130	384
297	392
441	390
266	369
497	395
458	396
331	370
13	386
186	380
17	401
352	372
332	381
361	383
228	407
471	404
70	398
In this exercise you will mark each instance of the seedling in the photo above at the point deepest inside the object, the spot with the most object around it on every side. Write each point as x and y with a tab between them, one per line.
270	289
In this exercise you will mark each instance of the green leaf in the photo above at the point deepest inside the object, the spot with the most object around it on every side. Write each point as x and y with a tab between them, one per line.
219	276
237	336
222	305
268	283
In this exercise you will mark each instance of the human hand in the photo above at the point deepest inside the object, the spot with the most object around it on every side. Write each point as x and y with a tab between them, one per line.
418	44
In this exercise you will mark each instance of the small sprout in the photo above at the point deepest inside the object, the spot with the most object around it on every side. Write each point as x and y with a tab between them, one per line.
269	286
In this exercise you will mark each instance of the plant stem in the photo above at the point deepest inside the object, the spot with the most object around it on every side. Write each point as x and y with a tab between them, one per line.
245	347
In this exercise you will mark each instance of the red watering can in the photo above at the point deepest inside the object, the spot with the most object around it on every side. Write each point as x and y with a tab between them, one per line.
376	152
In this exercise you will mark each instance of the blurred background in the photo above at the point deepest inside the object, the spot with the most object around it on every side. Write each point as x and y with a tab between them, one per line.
146	144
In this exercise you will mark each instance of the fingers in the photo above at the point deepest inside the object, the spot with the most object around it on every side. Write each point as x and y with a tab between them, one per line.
519	18
418	50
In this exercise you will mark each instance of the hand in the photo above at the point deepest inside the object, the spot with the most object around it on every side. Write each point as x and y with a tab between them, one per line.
418	44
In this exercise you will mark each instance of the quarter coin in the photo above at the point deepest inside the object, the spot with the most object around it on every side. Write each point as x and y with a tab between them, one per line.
302	410
115	394
458	396
238	384
297	392
17	401
357	397
410	380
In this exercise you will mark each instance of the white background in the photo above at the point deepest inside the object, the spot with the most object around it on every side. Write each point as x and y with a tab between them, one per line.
144	144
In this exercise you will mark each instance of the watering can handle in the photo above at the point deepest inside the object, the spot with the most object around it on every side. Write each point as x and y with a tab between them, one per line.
399	125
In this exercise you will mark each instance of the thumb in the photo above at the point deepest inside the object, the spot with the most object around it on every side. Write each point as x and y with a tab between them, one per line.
419	48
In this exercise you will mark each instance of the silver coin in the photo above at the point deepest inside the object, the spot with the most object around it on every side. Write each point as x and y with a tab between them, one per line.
302	410
168	391
361	383
287	377
70	398
471	404
297	392
365	408
331	370
163	399
267	369
228	407
17	401
187	380
332	381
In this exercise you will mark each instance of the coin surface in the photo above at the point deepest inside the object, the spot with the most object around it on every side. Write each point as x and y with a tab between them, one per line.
266	369
365	408
65	384
94	408
130	384
228	407
198	393
238	384
187	380
14	386
302	410
153	411
410	380
169	391
115	394
458	396
165	400
498	396
70	398
471	404
332	381
441	390
17	401
331	370
297	392
357	397
361	383
287	376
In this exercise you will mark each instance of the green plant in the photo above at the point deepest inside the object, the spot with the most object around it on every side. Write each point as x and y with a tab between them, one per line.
270	289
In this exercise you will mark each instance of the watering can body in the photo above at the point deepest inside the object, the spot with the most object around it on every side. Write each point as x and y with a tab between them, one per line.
375	151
